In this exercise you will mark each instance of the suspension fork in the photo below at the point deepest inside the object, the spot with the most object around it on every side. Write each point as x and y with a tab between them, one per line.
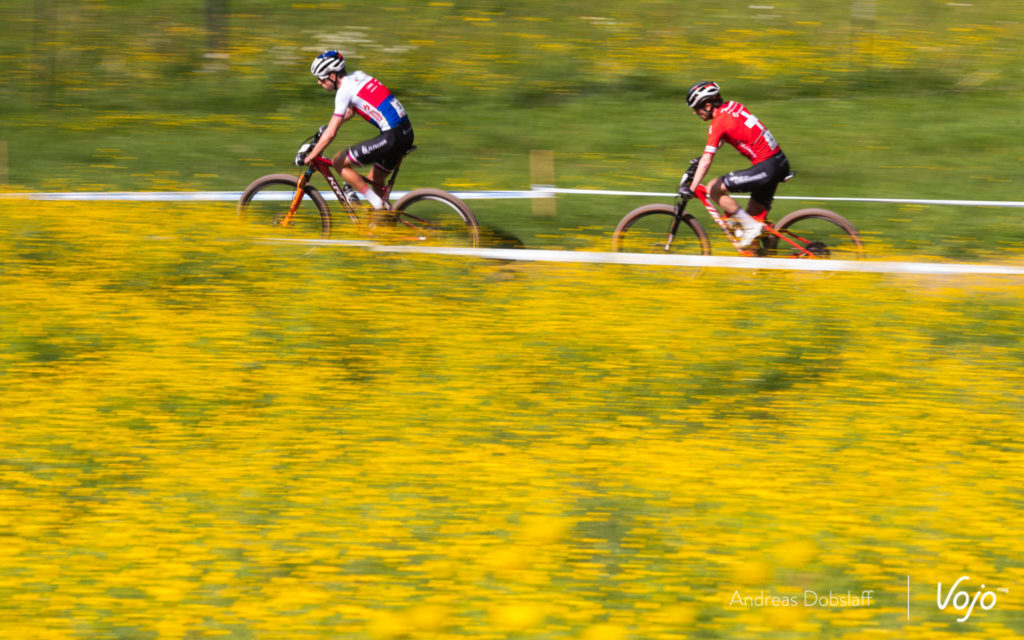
674	228
300	190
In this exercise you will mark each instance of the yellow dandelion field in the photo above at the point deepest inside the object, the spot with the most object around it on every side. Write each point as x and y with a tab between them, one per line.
209	436
206	436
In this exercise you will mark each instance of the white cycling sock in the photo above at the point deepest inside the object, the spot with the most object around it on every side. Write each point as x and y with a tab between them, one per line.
745	219
372	197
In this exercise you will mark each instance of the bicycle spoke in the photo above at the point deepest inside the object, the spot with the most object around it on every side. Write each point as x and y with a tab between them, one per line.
433	218
816	234
264	209
649	230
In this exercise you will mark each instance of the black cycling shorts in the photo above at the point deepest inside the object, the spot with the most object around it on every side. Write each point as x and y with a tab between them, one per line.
385	150
759	180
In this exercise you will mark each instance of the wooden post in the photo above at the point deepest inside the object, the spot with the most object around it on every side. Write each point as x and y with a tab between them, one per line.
542	174
4	174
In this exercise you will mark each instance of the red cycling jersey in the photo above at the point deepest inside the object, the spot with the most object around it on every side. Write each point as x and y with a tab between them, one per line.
737	126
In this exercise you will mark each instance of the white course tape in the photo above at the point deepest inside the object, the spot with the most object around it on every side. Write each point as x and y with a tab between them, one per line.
658	194
130	196
536	192
600	257
233	196
541	191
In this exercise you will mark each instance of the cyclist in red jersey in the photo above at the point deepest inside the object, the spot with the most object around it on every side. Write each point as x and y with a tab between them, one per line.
732	123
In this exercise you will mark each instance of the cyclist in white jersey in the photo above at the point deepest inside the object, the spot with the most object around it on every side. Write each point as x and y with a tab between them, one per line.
365	95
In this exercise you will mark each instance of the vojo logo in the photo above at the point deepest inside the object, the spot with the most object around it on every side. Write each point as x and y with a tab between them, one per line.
962	601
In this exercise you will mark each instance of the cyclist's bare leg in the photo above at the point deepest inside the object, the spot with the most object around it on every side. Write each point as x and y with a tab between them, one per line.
729	206
721	196
377	177
345	166
755	208
348	174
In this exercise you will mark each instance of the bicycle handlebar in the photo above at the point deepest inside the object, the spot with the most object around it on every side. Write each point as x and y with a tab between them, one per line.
307	146
688	178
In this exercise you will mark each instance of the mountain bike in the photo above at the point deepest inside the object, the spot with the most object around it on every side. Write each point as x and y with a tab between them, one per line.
284	206
806	233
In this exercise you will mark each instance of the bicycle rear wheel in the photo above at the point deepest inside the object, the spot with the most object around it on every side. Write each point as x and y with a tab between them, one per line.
648	229
821	232
433	217
264	204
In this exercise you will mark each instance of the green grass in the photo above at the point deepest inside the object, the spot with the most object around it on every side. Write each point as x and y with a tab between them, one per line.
916	99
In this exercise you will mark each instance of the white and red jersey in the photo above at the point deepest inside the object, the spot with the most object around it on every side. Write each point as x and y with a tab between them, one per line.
370	99
737	126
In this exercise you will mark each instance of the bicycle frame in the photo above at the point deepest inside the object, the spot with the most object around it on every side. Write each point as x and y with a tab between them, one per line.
419	215
325	165
805	233
701	193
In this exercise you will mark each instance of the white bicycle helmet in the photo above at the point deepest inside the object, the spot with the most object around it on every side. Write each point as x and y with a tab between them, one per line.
701	92
327	63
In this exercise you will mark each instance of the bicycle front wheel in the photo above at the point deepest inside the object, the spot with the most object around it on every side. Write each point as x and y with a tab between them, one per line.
648	229
264	205
435	218
814	233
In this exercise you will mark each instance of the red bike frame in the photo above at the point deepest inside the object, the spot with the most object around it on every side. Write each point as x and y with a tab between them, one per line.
702	194
325	165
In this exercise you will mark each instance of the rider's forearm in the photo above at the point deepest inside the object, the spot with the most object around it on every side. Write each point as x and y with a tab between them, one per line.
322	145
326	137
702	170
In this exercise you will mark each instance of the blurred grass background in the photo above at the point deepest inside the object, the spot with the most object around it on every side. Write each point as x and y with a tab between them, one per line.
916	99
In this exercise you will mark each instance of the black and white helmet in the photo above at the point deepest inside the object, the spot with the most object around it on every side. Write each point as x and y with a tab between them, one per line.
327	63
701	92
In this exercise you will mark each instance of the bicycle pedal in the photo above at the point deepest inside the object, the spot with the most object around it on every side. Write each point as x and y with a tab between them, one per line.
350	193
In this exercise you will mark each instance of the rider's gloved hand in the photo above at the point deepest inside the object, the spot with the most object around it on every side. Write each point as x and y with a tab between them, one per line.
685	191
300	157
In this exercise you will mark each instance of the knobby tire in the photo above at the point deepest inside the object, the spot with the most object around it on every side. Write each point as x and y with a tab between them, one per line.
825	233
436	217
269	214
646	230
